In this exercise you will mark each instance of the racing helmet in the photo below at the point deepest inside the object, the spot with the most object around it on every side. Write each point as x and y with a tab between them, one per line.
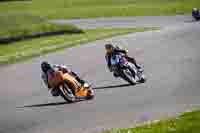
194	9
45	66
109	48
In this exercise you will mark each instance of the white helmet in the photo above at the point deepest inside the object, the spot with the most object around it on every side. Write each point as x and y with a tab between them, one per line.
195	9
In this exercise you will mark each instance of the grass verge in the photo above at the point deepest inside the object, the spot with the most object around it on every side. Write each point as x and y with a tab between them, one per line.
186	123
23	24
35	47
12	0
100	8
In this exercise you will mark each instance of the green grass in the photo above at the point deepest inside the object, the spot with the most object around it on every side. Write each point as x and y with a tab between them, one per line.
35	47
100	8
11	0
186	123
23	24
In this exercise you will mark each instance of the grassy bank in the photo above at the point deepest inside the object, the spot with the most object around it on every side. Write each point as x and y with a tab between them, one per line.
101	8
186	123
24	24
35	47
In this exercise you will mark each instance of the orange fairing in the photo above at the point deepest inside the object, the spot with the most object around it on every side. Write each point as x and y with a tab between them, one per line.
82	92
72	82
56	78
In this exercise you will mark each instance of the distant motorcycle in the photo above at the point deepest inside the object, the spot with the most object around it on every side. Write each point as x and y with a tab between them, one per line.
69	87
126	70
196	14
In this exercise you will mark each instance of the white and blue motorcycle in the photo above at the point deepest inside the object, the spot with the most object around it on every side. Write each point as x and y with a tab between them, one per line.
121	67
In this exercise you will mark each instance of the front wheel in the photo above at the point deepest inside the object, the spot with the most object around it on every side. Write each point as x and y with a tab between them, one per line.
90	94
143	79
67	93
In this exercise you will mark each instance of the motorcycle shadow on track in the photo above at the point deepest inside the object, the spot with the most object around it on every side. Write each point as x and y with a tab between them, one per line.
64	102
44	105
112	86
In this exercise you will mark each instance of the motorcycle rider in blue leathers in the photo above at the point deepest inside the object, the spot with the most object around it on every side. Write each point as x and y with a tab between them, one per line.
114	50
196	13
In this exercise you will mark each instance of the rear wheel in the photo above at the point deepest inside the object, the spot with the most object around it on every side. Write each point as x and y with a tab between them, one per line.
67	93
127	75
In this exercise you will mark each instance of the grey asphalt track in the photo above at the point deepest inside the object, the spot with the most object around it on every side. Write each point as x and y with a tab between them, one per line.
171	59
127	22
